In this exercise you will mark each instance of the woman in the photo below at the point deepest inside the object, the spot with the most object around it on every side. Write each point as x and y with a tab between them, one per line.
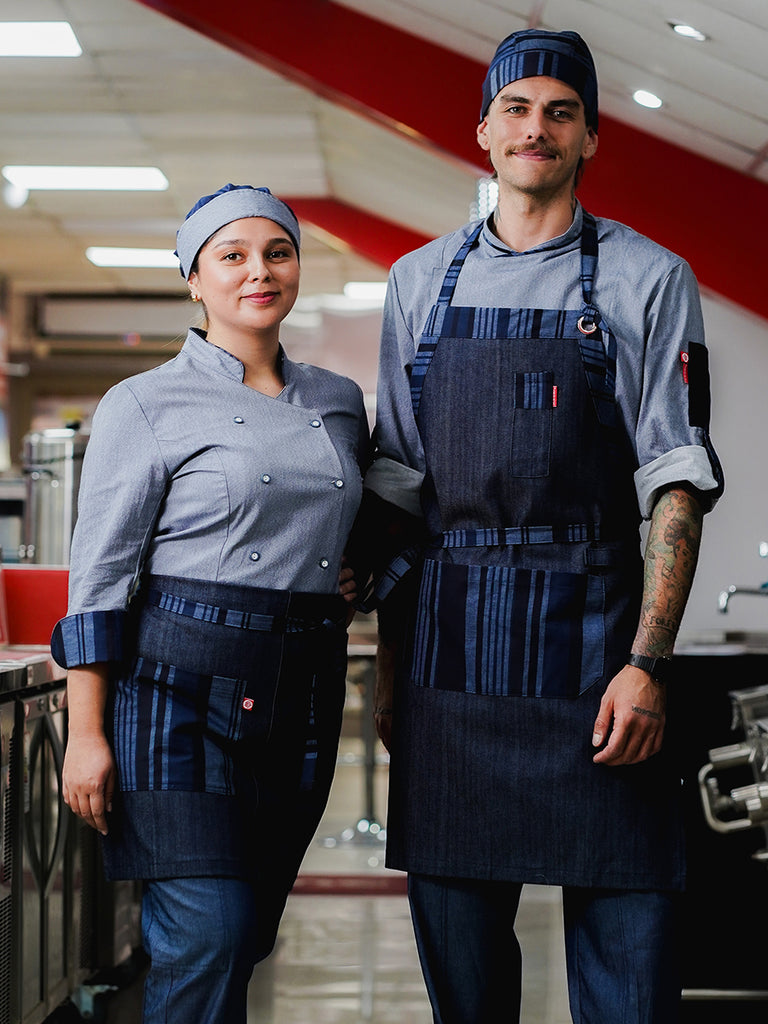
206	631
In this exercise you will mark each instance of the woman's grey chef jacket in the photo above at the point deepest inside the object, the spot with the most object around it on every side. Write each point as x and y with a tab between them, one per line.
190	473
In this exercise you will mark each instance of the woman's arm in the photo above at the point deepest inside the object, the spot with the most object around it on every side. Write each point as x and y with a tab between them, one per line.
88	780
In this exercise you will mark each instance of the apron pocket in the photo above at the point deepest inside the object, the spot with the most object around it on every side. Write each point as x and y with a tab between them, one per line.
177	729
534	400
508	632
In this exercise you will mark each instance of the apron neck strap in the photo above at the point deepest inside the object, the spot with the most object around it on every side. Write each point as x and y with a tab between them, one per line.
590	315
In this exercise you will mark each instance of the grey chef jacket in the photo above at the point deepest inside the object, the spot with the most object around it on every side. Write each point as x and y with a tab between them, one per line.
191	473
647	295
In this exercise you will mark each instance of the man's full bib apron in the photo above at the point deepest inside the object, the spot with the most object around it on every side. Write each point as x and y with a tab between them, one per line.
528	604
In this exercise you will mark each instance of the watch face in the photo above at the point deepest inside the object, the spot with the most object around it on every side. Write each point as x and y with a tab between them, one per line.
663	670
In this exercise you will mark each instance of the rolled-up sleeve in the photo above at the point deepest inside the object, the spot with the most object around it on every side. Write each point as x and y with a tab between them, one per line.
121	490
672	429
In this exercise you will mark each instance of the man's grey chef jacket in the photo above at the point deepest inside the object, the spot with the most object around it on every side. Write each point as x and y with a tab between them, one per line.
189	472
647	296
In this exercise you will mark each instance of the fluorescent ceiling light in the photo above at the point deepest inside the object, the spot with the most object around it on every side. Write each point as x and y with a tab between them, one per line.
122	179
112	256
38	39
365	290
646	99
688	31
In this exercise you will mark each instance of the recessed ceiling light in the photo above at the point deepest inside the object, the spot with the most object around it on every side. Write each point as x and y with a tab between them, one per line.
38	39
114	256
688	31
122	179
646	99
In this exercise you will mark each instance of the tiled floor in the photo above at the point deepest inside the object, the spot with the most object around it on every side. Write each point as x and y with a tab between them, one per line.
345	956
349	959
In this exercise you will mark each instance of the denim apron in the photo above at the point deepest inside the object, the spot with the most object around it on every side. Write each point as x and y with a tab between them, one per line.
528	604
225	727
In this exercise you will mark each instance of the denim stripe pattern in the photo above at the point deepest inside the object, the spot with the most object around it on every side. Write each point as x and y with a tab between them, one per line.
502	631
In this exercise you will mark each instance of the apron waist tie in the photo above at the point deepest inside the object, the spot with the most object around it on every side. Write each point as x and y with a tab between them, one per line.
570	533
257	621
401	565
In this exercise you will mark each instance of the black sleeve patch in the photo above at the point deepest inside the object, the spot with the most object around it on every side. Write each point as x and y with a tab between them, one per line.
699	401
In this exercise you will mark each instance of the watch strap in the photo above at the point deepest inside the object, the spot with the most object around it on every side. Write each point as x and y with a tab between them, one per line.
655	667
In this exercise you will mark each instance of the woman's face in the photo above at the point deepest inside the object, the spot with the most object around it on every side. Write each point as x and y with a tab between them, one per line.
247	277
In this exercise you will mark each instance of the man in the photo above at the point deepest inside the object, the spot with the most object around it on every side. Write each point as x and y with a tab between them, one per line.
543	387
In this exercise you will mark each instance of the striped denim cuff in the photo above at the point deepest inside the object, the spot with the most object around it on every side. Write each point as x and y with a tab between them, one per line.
88	637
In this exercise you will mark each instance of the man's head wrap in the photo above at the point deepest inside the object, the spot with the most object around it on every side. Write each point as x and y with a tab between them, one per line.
534	52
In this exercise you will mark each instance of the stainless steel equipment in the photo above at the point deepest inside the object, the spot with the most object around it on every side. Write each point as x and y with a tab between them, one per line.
39	886
744	806
52	464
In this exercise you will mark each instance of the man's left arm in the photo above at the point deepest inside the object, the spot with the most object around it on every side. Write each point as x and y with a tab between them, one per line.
632	711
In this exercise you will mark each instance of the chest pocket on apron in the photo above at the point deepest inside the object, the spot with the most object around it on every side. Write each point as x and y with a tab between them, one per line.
534	396
518	422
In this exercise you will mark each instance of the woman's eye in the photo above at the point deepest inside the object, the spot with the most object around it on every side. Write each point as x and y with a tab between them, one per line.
278	254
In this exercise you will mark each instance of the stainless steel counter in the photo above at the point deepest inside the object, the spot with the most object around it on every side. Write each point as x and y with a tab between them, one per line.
24	667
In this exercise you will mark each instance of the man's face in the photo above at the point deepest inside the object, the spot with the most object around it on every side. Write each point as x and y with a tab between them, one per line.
535	135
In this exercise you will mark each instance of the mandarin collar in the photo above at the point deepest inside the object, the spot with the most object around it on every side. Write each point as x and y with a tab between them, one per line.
492	245
220	361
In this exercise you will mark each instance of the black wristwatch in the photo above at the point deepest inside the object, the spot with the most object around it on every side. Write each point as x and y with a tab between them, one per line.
657	668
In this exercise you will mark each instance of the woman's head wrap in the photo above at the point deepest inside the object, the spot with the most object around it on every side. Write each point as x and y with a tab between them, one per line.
232	202
534	52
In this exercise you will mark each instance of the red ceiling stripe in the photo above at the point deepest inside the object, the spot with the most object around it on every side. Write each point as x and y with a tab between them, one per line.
708	213
373	237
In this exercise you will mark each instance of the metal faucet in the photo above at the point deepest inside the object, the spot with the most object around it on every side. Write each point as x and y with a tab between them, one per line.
725	595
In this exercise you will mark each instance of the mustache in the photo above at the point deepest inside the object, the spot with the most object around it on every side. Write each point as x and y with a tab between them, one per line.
535	147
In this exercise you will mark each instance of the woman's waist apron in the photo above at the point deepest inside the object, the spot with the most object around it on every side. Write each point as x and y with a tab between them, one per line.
528	605
225	727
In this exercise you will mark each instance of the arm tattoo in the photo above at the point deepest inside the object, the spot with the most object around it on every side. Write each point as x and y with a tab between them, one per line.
670	561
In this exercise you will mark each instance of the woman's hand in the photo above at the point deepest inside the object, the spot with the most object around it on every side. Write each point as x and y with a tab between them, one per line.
348	587
88	779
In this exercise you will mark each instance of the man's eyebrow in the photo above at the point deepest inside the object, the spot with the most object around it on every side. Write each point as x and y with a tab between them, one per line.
567	101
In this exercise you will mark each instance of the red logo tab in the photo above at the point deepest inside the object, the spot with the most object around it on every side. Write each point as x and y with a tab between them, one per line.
684	362
554	396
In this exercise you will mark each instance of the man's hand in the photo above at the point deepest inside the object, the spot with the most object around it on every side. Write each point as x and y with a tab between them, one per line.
631	718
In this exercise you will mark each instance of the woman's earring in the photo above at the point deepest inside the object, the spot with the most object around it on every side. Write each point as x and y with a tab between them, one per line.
195	298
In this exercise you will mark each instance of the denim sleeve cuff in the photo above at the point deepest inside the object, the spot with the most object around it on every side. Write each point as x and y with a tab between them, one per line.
88	637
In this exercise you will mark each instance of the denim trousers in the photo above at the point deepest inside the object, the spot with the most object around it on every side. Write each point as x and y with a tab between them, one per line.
203	936
621	952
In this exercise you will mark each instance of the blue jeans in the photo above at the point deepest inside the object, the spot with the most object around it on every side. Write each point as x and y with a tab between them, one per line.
621	952
203	936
